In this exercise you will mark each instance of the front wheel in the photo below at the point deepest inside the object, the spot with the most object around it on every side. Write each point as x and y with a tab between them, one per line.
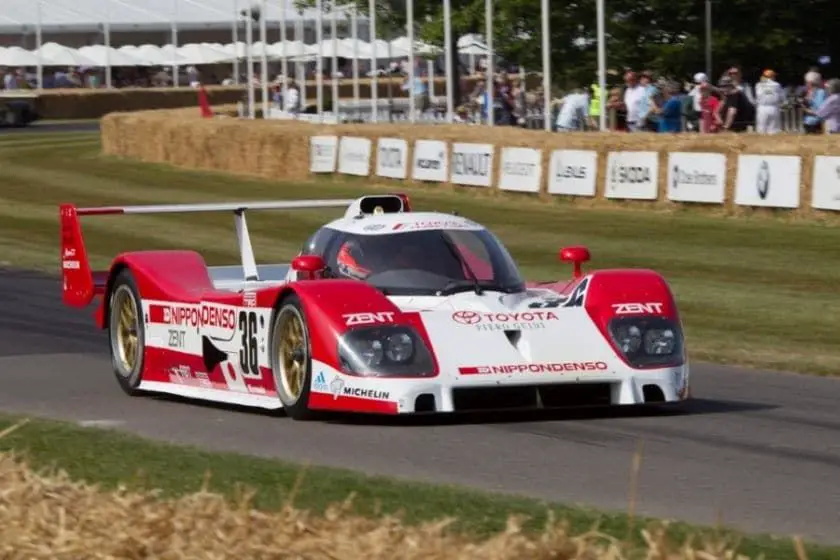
291	360
126	333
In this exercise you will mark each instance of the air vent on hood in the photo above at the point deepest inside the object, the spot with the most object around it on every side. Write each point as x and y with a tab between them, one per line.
513	336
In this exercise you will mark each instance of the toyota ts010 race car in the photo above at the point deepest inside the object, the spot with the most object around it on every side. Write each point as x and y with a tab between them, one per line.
385	310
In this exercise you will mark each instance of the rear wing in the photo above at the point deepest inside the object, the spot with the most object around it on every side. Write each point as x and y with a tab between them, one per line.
81	284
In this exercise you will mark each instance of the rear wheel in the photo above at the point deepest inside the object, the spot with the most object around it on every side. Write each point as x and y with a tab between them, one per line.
291	360
126	332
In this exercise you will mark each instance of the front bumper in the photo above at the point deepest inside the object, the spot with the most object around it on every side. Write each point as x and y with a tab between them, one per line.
446	394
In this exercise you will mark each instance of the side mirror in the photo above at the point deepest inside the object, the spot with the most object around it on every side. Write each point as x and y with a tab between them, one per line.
310	264
576	255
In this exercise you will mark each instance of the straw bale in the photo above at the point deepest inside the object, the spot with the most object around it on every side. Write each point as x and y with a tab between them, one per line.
46	515
279	150
96	103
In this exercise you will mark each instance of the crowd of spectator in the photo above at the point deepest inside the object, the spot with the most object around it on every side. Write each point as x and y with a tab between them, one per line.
647	103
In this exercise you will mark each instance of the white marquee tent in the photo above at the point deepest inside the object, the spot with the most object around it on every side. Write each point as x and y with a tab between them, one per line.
14	14
100	56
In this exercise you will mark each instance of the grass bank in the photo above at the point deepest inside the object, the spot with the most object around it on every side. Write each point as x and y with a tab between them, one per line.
753	291
119	522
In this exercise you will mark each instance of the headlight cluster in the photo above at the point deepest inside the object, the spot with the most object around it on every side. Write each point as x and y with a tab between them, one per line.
384	351
648	341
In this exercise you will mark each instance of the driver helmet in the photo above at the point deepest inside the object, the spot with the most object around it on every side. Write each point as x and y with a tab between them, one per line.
351	259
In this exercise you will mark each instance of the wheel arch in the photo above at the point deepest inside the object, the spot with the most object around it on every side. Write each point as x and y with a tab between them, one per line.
105	307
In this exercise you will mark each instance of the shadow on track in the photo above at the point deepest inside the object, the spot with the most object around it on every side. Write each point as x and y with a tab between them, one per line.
693	407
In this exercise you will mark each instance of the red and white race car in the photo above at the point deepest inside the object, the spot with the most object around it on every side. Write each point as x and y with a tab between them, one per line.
385	310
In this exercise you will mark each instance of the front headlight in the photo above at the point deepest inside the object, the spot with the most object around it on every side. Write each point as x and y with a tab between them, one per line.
384	351
400	347
648	341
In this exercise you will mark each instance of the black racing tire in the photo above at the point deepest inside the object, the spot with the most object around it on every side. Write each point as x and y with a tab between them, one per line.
126	332
291	358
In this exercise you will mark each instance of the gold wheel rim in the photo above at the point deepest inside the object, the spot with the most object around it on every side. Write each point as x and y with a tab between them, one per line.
291	353
127	330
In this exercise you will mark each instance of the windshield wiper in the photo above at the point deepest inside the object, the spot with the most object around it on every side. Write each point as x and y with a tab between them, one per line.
476	286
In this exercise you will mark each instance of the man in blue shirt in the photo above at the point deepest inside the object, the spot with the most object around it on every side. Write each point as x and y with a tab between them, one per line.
648	113
670	116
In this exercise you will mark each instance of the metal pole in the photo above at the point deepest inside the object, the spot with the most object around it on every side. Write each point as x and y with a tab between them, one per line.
447	39
546	66
249	59
319	64
300	67
235	38
412	101
264	60
374	85
602	65
284	65
108	73
175	73
334	60
430	70
491	61
709	38
354	33
39	45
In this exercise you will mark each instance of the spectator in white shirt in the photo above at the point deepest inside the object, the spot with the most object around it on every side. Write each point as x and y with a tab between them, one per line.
572	115
633	95
292	98
10	80
769	98
696	92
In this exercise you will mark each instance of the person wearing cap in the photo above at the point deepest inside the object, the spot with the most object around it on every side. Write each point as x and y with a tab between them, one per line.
811	100
699	79
769	98
692	103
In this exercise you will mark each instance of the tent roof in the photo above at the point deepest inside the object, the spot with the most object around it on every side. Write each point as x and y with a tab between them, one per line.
148	14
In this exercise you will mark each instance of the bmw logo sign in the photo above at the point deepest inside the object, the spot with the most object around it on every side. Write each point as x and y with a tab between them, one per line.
762	181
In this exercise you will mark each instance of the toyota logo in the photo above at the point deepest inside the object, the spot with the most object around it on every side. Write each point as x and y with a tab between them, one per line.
466	317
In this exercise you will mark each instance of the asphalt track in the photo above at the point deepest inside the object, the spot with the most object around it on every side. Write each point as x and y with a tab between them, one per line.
762	450
756	450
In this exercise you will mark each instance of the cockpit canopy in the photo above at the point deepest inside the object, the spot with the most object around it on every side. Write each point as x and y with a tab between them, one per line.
419	261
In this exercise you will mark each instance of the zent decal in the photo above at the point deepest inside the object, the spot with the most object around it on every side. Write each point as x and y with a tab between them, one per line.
368	318
176	338
640	308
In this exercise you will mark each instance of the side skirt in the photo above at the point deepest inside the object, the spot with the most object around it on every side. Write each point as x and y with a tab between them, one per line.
215	395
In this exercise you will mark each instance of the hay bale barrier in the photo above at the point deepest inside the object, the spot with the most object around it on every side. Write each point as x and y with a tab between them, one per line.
281	150
68	104
46	515
96	103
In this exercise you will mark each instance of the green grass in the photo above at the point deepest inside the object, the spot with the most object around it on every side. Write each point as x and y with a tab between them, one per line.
110	458
755	291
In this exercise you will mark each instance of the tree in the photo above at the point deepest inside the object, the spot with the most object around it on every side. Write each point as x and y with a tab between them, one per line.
665	36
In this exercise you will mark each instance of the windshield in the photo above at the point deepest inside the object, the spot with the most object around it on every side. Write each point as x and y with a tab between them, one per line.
429	262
